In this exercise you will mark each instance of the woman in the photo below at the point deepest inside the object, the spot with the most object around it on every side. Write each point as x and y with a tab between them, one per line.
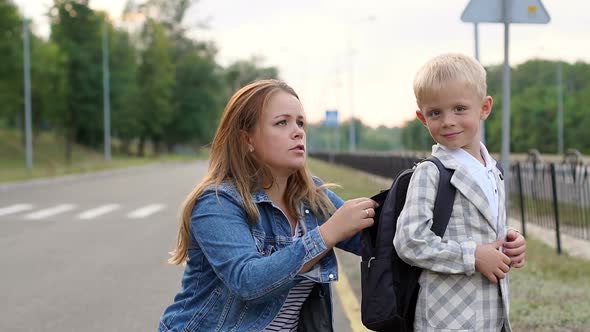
257	233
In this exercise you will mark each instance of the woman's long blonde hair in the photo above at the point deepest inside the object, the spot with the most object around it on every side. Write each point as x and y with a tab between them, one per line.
230	161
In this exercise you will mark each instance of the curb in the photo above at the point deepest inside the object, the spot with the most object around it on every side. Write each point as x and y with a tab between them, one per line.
74	177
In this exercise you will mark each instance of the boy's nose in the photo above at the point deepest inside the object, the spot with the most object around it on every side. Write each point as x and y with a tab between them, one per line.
448	120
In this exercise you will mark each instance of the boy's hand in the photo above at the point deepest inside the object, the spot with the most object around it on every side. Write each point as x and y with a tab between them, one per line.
515	248
491	262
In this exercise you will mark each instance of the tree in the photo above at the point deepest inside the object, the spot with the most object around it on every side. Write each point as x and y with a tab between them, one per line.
48	84
75	28
11	63
125	102
533	111
415	136
242	72
156	83
199	94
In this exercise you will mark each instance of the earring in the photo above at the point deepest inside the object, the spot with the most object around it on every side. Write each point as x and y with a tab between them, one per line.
250	148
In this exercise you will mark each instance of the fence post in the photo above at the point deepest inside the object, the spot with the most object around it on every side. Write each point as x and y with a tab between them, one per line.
519	179
555	208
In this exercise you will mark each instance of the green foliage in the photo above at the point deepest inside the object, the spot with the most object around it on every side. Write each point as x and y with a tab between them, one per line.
415	136
75	29
533	109
11	61
380	139
47	160
199	94
124	86
48	88
368	139
243	72
164	86
156	74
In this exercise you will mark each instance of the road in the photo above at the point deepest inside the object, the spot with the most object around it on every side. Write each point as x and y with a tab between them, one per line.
88	253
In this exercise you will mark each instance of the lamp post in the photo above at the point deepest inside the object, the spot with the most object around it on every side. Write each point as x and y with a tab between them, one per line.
27	76
351	127
106	92
27	87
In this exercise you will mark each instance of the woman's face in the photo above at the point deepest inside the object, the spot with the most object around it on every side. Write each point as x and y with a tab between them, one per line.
279	137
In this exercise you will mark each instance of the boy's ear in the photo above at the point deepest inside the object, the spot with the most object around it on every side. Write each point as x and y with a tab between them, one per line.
421	117
486	108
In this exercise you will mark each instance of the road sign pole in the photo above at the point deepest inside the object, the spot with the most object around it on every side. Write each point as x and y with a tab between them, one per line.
476	43
506	98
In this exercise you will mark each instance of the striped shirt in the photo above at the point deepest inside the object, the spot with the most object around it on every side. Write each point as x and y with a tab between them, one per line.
288	317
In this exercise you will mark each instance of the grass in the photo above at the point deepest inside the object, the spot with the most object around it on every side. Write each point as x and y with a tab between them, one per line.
551	293
49	160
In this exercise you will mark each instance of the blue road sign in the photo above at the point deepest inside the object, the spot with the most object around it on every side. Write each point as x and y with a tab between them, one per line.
331	118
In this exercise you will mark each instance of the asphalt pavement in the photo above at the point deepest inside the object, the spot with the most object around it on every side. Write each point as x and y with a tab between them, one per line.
88	253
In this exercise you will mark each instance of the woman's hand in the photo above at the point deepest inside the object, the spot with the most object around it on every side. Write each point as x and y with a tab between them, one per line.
352	217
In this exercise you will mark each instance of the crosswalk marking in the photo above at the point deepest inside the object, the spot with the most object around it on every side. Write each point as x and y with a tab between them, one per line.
99	211
145	211
41	214
16	208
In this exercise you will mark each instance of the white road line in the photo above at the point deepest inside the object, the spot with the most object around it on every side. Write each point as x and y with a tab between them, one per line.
41	214
16	208
145	211
99	211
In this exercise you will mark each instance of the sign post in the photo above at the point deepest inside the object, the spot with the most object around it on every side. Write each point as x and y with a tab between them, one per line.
506	12
331	121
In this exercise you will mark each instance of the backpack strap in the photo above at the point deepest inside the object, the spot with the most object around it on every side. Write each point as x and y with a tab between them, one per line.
445	198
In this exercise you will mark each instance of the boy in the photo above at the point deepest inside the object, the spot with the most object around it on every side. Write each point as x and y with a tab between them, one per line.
463	285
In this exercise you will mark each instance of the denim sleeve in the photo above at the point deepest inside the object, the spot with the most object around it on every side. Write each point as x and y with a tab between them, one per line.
220	227
353	244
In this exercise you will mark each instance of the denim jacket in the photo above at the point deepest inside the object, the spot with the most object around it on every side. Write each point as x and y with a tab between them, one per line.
238	275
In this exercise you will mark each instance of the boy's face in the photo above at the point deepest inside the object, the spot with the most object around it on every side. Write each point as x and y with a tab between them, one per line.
453	117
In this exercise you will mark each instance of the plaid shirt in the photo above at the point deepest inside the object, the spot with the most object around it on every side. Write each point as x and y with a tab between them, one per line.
453	296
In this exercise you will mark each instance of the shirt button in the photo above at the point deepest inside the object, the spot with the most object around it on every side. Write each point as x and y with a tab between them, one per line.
306	211
331	276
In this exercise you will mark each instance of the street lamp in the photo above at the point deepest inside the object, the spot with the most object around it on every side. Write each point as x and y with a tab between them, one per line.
27	78
106	96
351	127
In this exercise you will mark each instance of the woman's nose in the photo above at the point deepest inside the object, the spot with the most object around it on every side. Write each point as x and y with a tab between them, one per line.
299	132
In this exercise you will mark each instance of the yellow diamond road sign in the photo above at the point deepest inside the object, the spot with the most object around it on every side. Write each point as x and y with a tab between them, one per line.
491	11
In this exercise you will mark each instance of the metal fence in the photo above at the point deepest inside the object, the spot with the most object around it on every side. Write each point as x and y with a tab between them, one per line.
553	195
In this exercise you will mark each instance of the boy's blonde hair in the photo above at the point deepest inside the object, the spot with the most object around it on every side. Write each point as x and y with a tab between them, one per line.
445	68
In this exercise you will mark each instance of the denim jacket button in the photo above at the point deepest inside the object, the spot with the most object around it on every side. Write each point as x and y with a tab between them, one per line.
306	211
331	276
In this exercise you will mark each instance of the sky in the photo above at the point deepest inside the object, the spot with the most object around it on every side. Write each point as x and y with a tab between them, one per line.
360	57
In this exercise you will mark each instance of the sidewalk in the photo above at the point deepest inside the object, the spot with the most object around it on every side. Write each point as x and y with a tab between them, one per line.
569	244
